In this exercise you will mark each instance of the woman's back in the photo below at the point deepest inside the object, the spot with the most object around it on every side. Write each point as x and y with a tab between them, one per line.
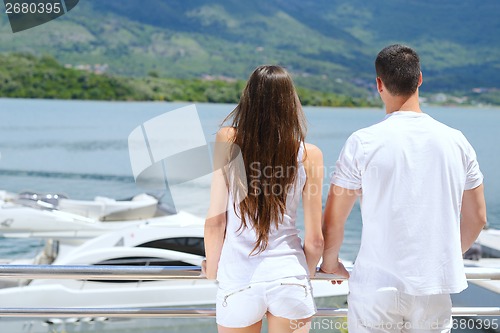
283	255
251	240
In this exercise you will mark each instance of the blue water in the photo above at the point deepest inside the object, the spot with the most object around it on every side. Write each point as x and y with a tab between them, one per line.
80	149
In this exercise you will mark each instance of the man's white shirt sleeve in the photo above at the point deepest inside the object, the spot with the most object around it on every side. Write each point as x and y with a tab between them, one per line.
474	177
348	169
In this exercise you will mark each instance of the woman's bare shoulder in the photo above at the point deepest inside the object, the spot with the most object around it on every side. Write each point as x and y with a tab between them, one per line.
313	153
225	134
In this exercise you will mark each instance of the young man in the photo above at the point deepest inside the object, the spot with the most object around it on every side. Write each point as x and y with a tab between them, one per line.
422	206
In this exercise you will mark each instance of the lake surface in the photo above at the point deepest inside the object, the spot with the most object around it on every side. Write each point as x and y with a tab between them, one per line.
80	149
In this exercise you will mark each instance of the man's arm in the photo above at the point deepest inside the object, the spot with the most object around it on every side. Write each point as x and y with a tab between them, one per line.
338	207
473	216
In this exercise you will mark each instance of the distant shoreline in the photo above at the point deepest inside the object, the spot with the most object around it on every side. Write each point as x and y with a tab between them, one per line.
182	103
28	76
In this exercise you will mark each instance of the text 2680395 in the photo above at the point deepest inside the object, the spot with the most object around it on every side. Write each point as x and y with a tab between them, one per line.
33	8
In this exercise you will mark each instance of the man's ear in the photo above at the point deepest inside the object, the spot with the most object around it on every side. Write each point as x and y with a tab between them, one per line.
420	79
380	85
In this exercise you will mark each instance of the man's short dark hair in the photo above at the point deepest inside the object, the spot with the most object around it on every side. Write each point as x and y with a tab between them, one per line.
398	67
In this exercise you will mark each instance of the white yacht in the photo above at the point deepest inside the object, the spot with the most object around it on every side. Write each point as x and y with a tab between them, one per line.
52	216
104	237
146	244
489	240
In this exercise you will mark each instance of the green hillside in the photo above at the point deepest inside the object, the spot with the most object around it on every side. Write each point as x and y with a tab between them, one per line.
26	76
328	45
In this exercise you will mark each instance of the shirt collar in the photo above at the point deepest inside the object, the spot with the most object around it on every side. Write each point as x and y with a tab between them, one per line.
406	114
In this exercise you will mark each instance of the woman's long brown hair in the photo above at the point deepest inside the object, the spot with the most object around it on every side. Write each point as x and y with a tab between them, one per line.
269	128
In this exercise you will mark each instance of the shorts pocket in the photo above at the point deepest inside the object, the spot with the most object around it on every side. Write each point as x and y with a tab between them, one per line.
291	298
299	285
232	293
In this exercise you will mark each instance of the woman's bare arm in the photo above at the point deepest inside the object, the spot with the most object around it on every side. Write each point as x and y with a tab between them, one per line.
312	202
215	223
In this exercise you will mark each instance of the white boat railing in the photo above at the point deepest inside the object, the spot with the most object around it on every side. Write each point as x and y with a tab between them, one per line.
170	273
186	312
104	272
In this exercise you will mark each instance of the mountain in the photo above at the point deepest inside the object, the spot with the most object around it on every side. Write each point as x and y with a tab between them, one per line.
327	44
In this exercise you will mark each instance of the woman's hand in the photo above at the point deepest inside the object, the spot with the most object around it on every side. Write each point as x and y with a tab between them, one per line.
204	268
337	268
210	274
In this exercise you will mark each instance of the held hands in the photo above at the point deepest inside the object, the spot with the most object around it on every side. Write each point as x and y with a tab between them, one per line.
336	268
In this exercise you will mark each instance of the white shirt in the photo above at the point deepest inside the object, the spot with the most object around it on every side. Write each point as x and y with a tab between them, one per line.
283	257
412	171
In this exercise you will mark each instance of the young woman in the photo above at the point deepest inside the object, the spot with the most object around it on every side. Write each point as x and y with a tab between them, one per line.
252	244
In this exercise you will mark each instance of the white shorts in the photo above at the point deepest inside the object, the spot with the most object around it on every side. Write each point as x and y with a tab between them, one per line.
289	298
388	310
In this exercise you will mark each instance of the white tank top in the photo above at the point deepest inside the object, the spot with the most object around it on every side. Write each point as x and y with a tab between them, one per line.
283	257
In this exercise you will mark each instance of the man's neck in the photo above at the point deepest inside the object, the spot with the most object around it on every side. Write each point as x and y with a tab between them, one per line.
400	103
